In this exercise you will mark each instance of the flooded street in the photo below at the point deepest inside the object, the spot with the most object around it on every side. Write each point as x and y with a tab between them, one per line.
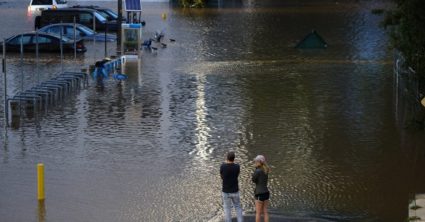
150	149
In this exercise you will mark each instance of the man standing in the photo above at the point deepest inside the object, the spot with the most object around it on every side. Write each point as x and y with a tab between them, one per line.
229	172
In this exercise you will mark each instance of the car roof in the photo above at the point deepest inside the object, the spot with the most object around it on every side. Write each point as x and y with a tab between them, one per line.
69	10
64	24
33	33
95	7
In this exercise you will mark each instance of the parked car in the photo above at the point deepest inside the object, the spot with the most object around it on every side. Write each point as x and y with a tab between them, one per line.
36	6
82	32
82	16
109	14
46	43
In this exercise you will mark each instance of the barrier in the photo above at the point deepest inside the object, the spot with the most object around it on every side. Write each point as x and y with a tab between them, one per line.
46	94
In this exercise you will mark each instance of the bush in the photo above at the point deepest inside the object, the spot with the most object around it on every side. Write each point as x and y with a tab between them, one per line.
408	32
377	11
192	3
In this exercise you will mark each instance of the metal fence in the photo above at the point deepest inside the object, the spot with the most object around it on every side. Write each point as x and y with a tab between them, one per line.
408	93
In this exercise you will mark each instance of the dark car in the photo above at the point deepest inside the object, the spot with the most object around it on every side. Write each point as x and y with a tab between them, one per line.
82	16
81	31
46	43
109	14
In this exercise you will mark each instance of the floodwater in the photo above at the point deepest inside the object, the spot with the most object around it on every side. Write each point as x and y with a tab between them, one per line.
150	149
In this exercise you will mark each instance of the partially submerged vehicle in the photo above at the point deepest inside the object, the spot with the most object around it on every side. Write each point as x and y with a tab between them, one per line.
109	14
81	32
88	17
46	43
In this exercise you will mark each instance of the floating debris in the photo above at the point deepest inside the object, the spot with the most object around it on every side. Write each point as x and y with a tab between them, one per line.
312	41
120	76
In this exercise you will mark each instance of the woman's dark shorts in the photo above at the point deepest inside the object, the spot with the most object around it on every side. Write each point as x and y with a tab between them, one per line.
262	196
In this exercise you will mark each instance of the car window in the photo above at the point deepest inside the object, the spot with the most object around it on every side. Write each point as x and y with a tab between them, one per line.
104	14
86	17
85	29
42	2
61	1
17	40
100	17
70	32
111	13
42	40
54	29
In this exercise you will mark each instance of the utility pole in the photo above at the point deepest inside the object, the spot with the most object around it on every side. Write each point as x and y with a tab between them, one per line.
119	26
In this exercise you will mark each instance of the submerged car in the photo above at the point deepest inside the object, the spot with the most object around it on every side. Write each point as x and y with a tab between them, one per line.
109	14
36	6
46	43
81	32
88	17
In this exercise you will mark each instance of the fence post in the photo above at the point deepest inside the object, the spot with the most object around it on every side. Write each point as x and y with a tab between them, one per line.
6	115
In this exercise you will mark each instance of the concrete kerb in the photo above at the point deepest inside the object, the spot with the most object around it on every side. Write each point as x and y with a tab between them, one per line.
250	217
417	208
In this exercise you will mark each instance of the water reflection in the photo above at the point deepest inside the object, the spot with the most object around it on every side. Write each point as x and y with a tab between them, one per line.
202	130
41	211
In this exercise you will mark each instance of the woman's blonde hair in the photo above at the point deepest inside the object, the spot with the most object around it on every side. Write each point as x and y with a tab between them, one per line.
263	165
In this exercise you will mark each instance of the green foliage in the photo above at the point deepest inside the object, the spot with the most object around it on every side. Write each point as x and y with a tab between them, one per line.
377	11
192	3
415	207
407	24
413	218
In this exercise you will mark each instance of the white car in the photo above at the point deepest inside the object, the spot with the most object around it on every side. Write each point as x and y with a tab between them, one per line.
36	6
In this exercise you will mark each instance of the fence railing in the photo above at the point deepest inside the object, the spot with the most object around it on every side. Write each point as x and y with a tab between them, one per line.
408	94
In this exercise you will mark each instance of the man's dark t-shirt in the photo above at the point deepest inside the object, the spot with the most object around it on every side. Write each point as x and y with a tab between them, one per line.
229	174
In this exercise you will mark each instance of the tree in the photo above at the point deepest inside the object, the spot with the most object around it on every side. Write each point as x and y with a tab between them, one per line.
408	32
192	3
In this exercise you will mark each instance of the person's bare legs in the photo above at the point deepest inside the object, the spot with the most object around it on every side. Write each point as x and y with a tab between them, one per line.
265	212
258	210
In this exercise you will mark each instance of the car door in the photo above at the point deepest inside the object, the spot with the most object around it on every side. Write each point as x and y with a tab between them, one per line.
86	18
46	43
14	44
70	32
56	30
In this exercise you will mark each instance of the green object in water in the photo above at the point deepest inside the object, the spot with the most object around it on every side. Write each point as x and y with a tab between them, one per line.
312	41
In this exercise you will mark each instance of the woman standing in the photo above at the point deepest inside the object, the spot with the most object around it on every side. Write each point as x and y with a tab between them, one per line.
260	178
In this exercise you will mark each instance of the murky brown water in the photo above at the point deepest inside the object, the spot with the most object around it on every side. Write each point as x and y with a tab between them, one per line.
149	150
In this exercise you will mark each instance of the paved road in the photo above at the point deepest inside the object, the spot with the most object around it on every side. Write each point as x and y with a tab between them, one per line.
277	218
419	211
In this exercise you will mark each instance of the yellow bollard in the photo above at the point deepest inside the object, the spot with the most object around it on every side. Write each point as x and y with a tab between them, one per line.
164	16
40	181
